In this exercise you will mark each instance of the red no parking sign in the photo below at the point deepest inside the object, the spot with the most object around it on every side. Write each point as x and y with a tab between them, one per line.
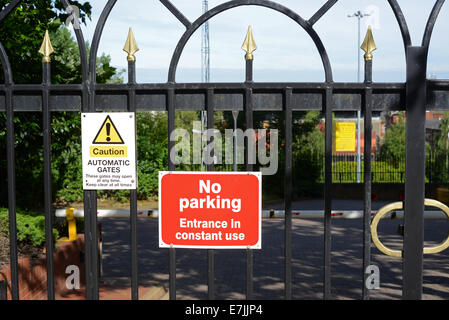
220	210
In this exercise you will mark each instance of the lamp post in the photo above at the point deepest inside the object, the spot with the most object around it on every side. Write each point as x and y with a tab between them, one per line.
205	69
359	15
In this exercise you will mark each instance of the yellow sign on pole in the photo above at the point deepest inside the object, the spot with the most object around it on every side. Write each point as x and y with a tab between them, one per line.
345	137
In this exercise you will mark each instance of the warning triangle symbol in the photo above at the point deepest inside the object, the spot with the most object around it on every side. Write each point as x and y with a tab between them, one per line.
108	134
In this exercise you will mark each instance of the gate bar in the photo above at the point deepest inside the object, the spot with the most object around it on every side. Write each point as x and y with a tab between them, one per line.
327	193
414	173
11	192
10	159
249	167
288	193
171	167
89	196
210	167
91	249
178	14
3	290
90	209
321	12
46	79
133	192
367	179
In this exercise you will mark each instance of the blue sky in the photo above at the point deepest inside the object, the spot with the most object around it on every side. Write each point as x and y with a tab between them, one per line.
285	52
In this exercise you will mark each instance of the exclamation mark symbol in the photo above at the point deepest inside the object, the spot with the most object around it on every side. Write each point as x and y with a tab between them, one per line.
108	131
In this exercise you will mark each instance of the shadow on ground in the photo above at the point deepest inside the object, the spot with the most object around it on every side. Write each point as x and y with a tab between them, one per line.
307	264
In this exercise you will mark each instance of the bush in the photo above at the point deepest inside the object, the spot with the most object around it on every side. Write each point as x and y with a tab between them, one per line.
394	141
30	227
382	172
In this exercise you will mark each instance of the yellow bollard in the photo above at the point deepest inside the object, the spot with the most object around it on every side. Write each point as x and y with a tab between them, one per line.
70	216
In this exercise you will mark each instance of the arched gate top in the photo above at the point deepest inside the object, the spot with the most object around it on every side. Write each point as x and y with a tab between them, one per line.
306	25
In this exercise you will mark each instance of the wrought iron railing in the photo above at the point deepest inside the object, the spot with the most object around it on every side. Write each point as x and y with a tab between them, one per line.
413	96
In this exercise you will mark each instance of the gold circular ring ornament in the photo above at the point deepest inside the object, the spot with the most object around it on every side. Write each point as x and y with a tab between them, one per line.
383	211
398	206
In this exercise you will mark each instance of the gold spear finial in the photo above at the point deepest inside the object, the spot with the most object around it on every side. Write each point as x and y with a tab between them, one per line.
368	45
46	48
131	46
249	45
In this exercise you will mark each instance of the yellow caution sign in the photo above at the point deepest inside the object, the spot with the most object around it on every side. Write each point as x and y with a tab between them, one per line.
108	134
108	151
345	137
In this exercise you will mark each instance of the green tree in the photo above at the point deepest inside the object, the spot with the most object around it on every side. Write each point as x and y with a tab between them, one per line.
441	143
437	155
21	34
393	144
66	126
152	147
307	155
308	151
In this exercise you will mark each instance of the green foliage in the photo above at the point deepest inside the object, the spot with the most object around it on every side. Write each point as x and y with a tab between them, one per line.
65	130
441	143
437	155
382	172
393	145
308	148
105	72
307	156
152	155
152	151
65	62
152	147
22	32
30	227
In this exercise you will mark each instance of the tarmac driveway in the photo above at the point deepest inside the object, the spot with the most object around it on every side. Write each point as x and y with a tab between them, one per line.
307	245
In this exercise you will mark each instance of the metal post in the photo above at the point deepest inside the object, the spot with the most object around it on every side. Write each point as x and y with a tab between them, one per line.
249	167
359	15
202	139
328	194
10	156
288	193
249	46
171	167
131	48
367	177
205	65
3	290
210	167
47	181
90	215
368	46
414	172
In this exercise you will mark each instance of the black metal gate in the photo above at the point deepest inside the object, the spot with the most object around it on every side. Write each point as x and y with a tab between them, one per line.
415	96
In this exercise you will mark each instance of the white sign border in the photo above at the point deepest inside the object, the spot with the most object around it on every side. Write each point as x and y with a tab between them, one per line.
134	145
257	174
